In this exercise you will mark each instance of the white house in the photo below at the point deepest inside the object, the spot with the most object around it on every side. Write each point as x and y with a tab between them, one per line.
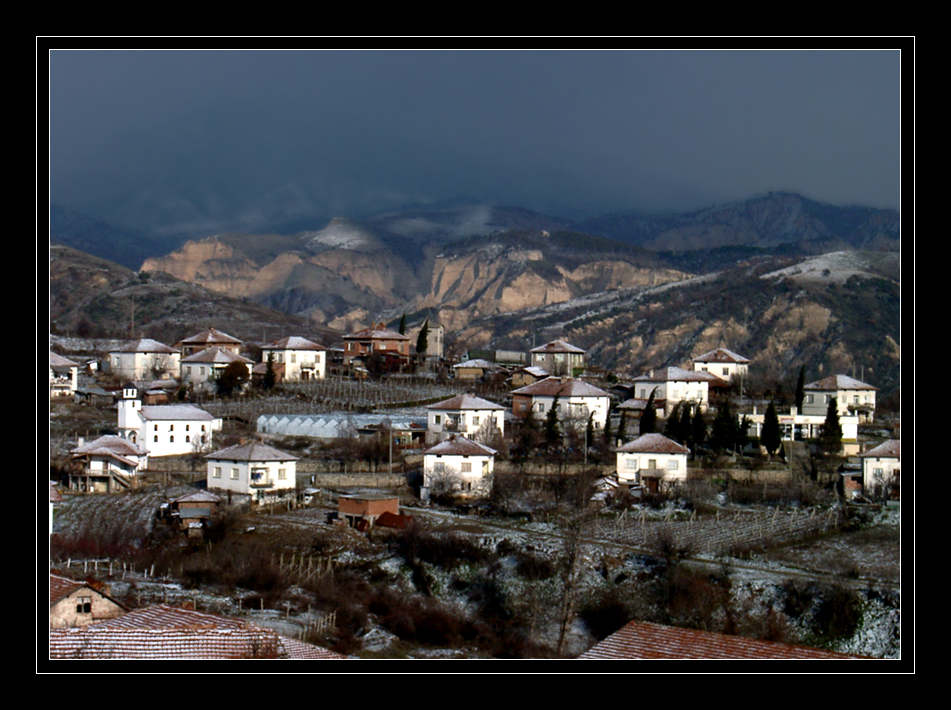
465	414
651	459
64	376
201	369
577	401
144	359
674	384
168	429
559	358
851	396
881	470
106	464
253	469
723	363
299	358
459	465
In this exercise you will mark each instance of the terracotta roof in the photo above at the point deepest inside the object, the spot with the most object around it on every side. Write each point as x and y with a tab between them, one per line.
891	449
293	343
458	445
376	333
215	355
721	355
163	632
561	386
210	337
61	587
653	444
465	401
145	345
558	346
60	361
253	451
838	382
643	640
110	445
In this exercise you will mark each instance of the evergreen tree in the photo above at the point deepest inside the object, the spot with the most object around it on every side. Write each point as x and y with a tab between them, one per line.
801	389
672	425
612	406
270	378
403	325
622	428
422	341
830	440
552	429
771	435
684	428
723	433
698	430
649	417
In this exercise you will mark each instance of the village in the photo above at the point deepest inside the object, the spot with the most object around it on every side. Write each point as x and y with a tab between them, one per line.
383	431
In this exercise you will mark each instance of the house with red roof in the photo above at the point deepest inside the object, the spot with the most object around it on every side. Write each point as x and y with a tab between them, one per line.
651	460
74	604
852	397
559	358
458	465
576	400
296	359
253	469
464	414
881	470
723	363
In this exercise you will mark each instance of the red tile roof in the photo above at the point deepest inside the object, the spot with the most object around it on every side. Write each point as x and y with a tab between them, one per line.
561	386
891	449
654	444
163	632
458	445
643	640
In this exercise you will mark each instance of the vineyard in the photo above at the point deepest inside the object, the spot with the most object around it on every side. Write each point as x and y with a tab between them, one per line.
336	394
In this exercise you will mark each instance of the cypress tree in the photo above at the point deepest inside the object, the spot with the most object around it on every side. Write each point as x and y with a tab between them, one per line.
771	436
649	417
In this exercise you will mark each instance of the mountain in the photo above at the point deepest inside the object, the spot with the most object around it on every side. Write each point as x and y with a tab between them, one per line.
91	297
770	221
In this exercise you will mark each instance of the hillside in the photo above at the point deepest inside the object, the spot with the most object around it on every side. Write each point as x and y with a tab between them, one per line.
91	297
836	313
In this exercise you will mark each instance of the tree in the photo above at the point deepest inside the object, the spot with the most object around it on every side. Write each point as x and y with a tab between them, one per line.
771	436
684	428
403	325
422	341
552	429
649	417
270	377
723	433
801	389
830	440
698	430
622	427
232	378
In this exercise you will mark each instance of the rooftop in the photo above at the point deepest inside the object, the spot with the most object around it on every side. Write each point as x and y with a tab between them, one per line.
643	640
653	443
465	401
833	383
562	387
721	355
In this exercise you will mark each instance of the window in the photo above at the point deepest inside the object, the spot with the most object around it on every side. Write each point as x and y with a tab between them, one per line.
726	370
439	467
187	439
652	463
155	439
630	464
216	472
673	465
282	474
437	420
187	427
84	605
234	474
171	438
475	421
171	427
155	427
810	399
293	357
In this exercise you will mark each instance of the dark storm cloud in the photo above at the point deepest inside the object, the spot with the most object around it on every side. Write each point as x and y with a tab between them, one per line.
552	130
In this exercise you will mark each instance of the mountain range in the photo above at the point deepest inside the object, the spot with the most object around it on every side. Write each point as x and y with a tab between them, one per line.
636	291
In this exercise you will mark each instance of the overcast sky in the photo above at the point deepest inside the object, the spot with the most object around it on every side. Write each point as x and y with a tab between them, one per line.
556	131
